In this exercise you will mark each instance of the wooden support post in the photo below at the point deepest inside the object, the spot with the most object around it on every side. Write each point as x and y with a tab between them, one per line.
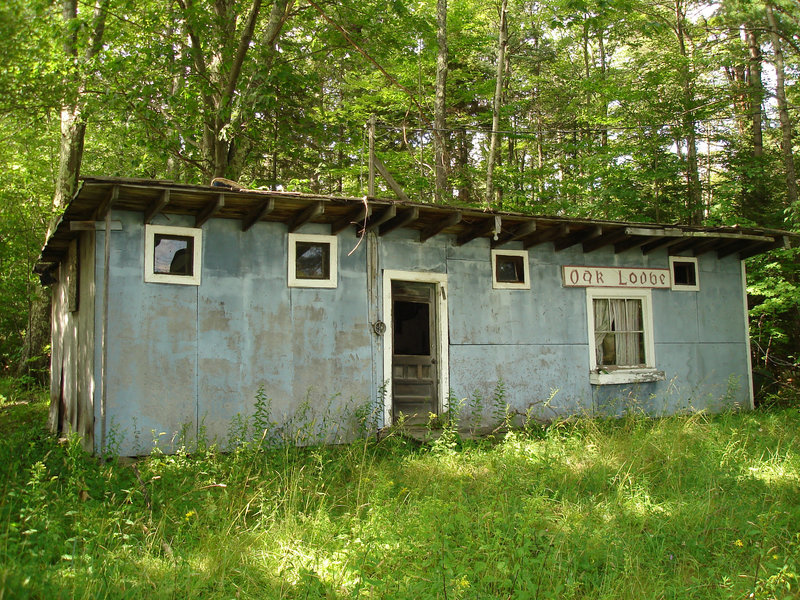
210	210
520	231
354	217
490	226
376	220
156	207
440	226
384	172
547	235
371	135
303	217
404	218
577	237
258	213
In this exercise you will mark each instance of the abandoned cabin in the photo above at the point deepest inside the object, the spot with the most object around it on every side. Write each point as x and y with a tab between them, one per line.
174	304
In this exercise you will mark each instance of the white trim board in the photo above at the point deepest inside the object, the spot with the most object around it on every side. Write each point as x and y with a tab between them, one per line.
443	362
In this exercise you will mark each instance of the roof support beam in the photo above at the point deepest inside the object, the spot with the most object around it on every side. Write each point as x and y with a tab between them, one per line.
312	211
547	235
577	237
681	245
658	243
377	219
633	242
354	217
612	237
706	246
490	226
156	206
405	217
210	210
107	204
754	249
439	226
384	172
258	213
520	231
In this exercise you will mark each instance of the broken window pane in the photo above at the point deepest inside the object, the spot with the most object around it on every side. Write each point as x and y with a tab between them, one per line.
312	260
173	254
509	268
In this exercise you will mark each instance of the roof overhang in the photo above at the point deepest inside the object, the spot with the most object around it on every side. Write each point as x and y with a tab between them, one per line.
96	196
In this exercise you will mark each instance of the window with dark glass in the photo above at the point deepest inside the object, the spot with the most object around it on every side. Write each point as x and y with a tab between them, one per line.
509	268
684	273
312	260
173	254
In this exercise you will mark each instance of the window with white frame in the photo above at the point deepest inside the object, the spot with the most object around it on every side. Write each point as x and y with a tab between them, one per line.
313	260
172	254
684	273
621	336
510	270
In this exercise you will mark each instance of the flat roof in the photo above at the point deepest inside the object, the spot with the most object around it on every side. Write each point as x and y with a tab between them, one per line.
97	195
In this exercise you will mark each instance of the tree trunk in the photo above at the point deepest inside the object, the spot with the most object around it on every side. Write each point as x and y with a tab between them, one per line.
442	162
783	112
498	92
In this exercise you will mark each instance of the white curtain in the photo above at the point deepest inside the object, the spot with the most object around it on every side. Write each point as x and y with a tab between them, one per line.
618	331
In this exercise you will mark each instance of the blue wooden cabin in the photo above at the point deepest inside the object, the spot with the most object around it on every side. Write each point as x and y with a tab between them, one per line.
173	305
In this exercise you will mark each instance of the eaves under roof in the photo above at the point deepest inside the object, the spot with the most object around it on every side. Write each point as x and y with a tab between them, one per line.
97	195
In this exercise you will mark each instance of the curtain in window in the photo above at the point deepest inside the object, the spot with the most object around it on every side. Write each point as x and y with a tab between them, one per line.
628	318
618	333
602	327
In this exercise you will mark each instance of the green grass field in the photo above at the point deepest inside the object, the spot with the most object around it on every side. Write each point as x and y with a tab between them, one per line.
683	507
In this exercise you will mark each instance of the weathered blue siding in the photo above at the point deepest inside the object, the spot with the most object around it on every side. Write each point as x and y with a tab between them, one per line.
190	358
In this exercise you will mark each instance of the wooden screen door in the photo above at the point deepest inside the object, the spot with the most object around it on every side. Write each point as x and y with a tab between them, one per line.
414	353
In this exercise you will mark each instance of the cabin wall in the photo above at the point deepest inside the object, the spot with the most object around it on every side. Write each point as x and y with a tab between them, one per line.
534	343
72	333
185	360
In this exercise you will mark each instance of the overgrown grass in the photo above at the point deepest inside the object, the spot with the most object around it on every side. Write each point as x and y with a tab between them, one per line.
683	507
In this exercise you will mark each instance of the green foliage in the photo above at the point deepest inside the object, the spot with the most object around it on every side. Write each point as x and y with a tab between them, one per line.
688	506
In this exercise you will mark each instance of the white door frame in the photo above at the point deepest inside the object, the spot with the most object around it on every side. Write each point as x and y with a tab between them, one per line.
442	338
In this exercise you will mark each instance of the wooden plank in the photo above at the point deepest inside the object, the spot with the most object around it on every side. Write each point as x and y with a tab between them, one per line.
658	243
577	237
754	248
354	217
439	226
606	239
384	172
107	204
405	217
258	213
706	246
633	242
94	226
653	232
681	245
520	231
490	226
546	235
379	218
312	211
156	206
210	210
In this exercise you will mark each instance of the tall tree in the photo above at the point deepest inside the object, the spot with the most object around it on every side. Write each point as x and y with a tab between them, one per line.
442	161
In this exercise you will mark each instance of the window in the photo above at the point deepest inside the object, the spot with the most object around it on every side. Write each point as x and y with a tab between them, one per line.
620	336
172	254
510	270
684	273
312	260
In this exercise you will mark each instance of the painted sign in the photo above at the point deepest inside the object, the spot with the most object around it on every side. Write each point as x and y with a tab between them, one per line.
616	277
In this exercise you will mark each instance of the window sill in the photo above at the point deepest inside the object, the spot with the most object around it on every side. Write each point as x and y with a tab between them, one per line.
622	376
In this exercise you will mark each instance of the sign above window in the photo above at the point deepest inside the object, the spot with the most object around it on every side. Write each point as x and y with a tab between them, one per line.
615	277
